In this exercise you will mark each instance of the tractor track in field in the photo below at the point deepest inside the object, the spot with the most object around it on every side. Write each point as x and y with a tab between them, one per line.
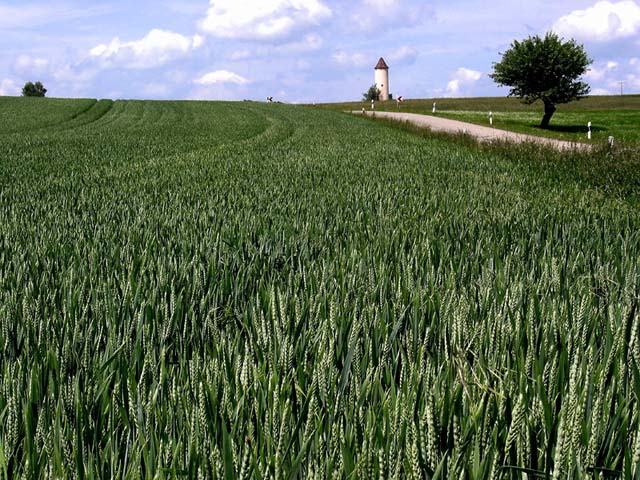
86	117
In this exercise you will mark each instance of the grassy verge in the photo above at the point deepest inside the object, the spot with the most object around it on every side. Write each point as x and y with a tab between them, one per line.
610	171
572	126
617	116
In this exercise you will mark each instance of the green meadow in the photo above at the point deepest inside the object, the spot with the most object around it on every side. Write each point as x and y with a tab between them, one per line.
244	290
617	116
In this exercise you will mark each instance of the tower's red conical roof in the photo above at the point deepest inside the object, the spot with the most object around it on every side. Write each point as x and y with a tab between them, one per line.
382	65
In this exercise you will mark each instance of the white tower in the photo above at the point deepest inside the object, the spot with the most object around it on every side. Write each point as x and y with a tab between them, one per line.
382	79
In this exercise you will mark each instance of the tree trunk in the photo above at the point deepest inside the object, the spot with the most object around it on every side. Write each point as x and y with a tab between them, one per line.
549	110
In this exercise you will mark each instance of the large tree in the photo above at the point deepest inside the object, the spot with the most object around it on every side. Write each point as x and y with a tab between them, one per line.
547	69
31	89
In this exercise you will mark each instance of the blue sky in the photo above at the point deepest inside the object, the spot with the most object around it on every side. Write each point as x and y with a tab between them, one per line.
297	50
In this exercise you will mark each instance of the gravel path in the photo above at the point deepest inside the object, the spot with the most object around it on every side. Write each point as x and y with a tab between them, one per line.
483	134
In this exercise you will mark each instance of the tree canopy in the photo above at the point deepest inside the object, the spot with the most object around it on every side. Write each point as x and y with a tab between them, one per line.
547	69
31	89
372	94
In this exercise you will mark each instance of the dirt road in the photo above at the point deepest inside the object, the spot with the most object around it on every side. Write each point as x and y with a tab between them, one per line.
483	134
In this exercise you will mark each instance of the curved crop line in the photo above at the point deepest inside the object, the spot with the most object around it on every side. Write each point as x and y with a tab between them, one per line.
104	113
101	114
65	121
278	128
86	117
81	112
116	112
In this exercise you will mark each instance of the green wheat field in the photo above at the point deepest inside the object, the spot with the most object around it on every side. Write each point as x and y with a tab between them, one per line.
242	290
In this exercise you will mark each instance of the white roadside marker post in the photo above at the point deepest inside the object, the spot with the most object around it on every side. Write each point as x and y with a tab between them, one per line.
589	131
373	105
490	118
434	107
611	140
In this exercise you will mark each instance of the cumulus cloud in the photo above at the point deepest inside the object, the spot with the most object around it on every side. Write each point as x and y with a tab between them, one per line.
221	77
9	87
262	19
603	22
157	48
461	80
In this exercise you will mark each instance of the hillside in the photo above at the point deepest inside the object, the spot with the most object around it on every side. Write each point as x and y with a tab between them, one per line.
245	290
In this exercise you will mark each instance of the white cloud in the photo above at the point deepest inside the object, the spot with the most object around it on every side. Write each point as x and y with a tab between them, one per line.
262	19
157	48
461	80
176	76
9	87
198	41
221	77
376	14
74	74
243	54
58	69
603	22
351	59
186	8
370	13
404	55
309	43
155	90
25	64
595	73
631	83
600	91
35	15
